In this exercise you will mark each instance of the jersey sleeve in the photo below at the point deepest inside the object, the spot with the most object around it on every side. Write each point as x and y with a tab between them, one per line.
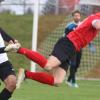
5	36
70	28
2	50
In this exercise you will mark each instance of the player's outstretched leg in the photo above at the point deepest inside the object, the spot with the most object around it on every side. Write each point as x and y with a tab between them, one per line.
54	79
34	56
41	77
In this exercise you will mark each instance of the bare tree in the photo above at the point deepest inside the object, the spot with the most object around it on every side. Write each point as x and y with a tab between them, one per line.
0	2
29	11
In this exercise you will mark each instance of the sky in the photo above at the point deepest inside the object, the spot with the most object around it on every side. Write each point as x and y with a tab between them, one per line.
19	9
29	1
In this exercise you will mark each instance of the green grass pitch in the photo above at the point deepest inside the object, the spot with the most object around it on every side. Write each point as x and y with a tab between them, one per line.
31	90
17	26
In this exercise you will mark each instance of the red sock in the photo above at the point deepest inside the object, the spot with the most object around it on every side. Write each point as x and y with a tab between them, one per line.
41	77
34	56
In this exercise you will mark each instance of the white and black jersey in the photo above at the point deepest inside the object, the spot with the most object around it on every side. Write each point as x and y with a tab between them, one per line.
3	37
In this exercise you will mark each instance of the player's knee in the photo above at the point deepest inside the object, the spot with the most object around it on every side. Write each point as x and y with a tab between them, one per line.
57	82
11	84
48	68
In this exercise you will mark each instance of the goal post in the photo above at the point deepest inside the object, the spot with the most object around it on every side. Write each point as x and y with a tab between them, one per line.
35	31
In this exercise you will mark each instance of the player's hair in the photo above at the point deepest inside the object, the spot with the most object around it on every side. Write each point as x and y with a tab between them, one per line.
76	11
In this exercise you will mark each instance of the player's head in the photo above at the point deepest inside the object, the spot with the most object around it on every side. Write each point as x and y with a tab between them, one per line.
76	16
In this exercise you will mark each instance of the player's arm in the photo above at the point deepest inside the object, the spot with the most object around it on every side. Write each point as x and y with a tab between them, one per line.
92	47
70	28
96	24
5	36
67	30
2	50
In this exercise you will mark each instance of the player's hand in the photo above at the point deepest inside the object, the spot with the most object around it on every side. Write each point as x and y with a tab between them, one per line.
13	42
16	41
92	48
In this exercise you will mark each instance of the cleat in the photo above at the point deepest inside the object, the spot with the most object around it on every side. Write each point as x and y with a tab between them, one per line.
69	83
12	47
21	77
74	85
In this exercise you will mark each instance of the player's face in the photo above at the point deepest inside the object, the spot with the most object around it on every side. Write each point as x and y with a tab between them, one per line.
77	17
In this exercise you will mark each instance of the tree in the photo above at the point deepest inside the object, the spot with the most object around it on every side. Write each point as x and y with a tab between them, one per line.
1	1
29	11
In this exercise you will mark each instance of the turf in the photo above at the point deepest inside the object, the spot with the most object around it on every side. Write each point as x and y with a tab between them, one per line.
30	90
20	27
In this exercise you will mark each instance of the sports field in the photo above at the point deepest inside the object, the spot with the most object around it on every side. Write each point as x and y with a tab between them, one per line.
31	90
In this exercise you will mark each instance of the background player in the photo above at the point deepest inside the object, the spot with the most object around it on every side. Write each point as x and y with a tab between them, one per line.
75	62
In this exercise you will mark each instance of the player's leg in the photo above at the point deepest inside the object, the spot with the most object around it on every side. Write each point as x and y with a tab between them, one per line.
72	70
61	53
54	79
71	81
42	77
71	75
78	60
35	56
40	59
10	85
74	65
7	75
59	75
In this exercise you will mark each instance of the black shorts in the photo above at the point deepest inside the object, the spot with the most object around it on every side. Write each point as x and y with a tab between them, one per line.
6	69
64	50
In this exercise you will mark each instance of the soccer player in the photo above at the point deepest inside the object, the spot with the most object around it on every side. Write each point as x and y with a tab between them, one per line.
7	73
75	62
64	50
